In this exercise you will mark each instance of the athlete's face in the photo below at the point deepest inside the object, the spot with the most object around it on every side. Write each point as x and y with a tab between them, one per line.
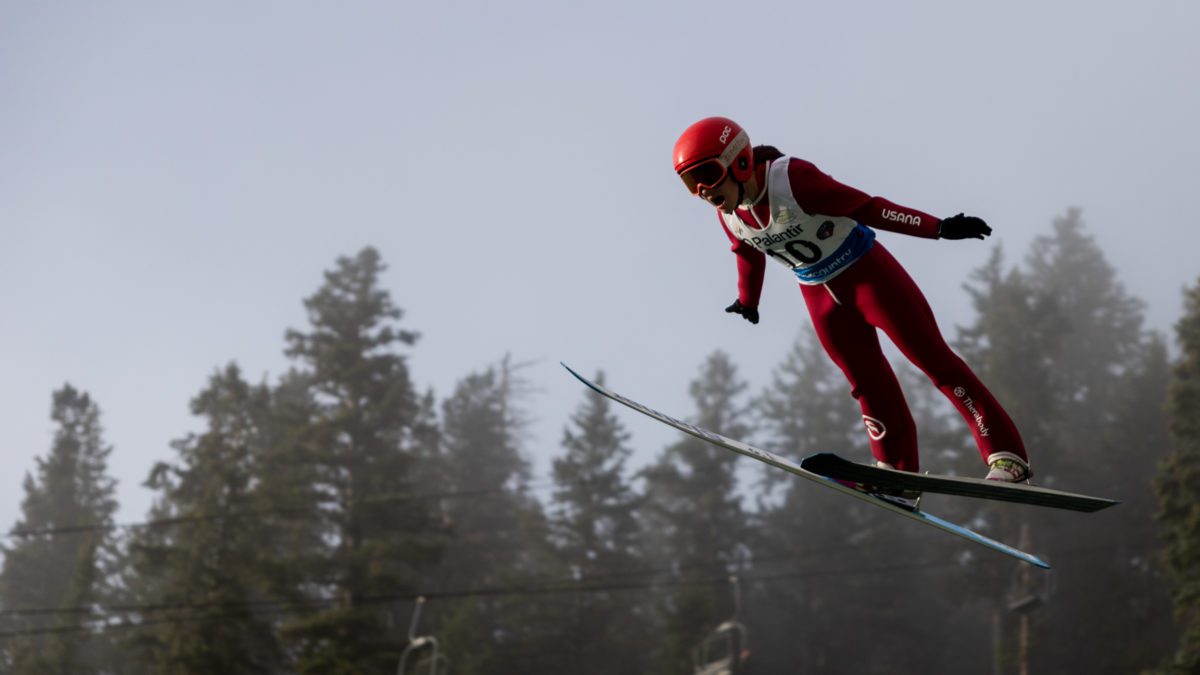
709	180
723	195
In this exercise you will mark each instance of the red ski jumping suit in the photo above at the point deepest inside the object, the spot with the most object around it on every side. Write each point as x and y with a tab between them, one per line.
852	285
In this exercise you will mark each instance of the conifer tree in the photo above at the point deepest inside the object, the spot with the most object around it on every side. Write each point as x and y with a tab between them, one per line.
806	408
596	533
1060	344
204	571
359	447
65	571
1012	345
1107	383
840	568
1101	340
483	423
696	523
1178	488
594	519
498	530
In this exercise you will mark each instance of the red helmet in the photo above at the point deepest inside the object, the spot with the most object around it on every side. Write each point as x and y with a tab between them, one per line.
718	143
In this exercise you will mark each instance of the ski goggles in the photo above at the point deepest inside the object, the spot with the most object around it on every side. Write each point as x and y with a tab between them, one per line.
705	175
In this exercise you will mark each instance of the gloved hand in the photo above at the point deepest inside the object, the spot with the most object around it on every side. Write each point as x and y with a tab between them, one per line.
963	227
748	313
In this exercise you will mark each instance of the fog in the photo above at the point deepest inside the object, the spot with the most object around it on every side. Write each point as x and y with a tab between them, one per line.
174	180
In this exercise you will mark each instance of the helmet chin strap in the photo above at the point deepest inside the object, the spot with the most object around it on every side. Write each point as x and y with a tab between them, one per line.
743	201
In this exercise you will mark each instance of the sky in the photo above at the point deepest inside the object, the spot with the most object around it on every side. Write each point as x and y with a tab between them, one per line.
176	177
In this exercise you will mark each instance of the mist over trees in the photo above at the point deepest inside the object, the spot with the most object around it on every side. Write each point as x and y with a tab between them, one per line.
1178	485
49	580
300	529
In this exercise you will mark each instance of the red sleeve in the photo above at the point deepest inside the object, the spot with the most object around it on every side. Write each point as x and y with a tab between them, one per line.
818	192
751	264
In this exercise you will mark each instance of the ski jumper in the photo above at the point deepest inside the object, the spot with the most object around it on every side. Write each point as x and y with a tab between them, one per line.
821	230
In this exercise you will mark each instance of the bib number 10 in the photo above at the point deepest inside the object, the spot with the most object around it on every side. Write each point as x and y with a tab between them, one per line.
797	252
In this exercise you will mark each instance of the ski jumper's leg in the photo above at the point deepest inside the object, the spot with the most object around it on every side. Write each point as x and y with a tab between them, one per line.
853	344
889	299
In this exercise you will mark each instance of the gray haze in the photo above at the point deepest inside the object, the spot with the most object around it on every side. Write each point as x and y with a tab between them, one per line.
175	177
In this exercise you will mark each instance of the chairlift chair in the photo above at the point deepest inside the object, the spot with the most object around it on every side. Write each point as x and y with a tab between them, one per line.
724	649
430	662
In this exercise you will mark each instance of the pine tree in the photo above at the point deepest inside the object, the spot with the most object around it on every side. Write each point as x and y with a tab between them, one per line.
804	530
697	526
594	505
597	537
839	568
499	532
1178	488
1101	340
61	571
1061	346
483	423
1108	387
205	572
1012	345
360	449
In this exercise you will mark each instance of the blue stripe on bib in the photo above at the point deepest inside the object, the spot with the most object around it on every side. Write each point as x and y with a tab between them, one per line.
856	246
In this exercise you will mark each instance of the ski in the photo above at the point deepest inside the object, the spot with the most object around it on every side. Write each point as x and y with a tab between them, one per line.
833	466
793	468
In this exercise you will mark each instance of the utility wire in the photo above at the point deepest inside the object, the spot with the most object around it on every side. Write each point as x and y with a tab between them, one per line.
823	553
580	586
181	520
228	609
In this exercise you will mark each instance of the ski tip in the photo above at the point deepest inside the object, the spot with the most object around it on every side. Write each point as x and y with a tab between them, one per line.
579	377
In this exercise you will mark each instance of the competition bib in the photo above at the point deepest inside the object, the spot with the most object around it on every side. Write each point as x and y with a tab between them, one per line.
816	248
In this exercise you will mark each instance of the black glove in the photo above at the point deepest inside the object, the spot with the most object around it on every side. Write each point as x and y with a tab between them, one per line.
748	313
963	227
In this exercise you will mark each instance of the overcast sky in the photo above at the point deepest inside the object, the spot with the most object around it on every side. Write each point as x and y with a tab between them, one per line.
175	177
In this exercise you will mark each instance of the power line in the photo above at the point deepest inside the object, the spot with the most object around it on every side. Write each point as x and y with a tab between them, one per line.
283	607
823	552
182	520
521	590
567	583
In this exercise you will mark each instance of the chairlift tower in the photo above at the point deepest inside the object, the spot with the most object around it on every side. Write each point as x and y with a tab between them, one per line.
1029	590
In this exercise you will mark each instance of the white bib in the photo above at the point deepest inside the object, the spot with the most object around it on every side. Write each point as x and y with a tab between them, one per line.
815	247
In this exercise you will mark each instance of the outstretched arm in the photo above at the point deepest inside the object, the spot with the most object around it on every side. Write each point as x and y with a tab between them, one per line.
818	192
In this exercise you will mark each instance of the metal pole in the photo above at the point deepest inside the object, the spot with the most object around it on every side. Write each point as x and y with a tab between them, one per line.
1023	658
412	627
997	641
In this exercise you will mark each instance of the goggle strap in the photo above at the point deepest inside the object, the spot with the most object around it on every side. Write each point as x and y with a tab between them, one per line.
735	146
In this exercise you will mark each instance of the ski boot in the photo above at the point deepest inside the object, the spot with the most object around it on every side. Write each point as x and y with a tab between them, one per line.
1008	468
